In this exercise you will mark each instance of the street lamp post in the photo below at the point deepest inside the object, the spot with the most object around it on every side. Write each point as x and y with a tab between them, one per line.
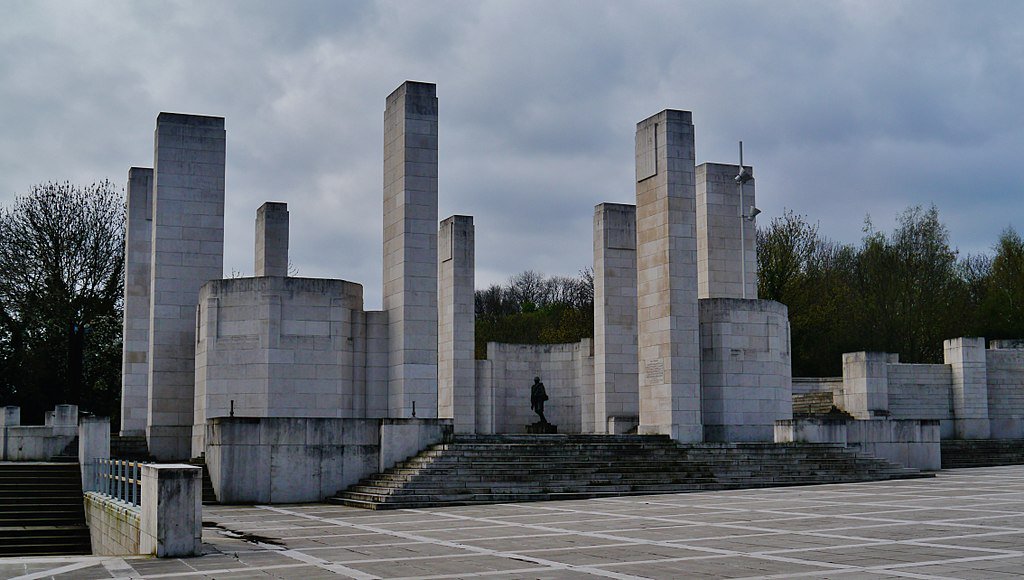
742	178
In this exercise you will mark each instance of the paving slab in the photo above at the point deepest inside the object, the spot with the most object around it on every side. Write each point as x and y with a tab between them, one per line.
966	523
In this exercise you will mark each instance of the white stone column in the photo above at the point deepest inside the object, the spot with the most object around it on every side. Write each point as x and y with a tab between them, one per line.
171	514
616	390
719	218
93	445
135	347
969	365
187	250
272	239
410	248
866	383
667	315
456	363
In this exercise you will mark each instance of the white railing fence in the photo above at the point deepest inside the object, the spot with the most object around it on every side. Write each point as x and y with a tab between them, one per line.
121	479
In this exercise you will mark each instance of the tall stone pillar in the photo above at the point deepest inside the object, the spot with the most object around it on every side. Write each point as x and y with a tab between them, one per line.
969	365
272	239
138	241
719	219
187	251
667	314
616	394
410	248
456	363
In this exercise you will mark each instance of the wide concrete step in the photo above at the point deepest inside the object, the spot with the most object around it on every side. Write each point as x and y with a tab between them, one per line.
49	539
489	469
41	510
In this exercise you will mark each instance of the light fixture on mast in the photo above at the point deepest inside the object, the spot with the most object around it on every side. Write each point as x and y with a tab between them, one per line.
742	178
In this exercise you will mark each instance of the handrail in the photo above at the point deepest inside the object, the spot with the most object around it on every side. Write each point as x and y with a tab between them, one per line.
121	479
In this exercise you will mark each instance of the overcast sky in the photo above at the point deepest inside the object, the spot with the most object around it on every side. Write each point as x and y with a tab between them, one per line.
845	109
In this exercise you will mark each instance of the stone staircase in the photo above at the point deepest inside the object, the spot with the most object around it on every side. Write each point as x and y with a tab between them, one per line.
209	494
135	448
957	453
41	510
481	469
132	447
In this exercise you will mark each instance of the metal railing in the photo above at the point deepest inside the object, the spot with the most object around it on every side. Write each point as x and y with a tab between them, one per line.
121	479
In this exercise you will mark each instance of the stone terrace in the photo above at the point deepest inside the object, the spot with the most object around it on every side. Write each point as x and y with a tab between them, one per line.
965	523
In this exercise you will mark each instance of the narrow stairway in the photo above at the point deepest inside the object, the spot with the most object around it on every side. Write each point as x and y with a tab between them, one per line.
41	510
480	469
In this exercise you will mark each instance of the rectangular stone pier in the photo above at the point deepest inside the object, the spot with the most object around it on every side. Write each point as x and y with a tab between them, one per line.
410	248
668	339
188	250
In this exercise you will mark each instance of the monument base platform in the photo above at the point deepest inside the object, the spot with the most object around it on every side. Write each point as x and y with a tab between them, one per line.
541	429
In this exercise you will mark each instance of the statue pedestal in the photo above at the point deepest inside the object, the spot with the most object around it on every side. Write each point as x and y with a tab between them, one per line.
539	428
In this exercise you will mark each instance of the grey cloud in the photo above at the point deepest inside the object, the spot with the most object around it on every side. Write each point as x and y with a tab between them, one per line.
845	109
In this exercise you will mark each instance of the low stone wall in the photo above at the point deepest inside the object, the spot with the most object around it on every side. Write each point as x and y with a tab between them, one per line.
113	525
37	442
813	430
805	385
909	442
291	460
1005	366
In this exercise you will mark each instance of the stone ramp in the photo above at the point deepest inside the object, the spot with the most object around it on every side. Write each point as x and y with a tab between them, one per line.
959	453
483	469
41	510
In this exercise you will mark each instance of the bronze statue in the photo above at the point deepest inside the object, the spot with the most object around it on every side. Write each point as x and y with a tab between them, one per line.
537	397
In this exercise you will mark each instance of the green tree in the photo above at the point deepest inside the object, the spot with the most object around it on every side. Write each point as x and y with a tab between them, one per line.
911	295
1002	306
811	275
61	288
534	309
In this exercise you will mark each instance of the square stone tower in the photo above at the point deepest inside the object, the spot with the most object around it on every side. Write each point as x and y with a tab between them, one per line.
719	219
138	241
187	251
668	317
410	248
456	317
616	402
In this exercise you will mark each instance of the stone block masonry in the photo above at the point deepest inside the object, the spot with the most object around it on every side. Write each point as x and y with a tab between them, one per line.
410	248
272	239
187	251
456	364
667	321
745	368
616	395
138	247
719	219
966	357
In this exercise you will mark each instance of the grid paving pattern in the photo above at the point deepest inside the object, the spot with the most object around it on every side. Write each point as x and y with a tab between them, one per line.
966	523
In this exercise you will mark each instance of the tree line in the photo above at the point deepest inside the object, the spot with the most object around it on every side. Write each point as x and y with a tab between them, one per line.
905	291
62	287
534	309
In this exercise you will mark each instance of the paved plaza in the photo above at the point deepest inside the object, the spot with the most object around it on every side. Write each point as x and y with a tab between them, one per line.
965	523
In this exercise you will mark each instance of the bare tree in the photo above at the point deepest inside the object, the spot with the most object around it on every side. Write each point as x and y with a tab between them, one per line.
61	279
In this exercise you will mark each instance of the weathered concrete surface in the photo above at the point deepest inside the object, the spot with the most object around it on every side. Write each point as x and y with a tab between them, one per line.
282	460
955	525
171	515
113	525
